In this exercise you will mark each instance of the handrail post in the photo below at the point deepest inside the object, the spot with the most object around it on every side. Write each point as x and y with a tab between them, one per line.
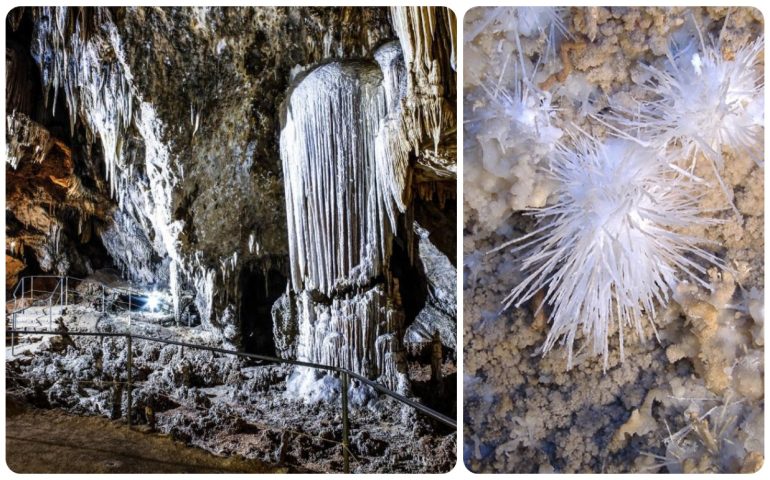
345	441
61	291
13	335
50	312
129	308
102	298
130	358
66	291
32	289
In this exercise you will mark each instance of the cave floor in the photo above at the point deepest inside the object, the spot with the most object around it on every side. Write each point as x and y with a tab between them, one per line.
53	441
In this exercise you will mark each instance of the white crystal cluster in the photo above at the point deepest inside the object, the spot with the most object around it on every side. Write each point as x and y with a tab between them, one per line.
608	249
509	122
702	103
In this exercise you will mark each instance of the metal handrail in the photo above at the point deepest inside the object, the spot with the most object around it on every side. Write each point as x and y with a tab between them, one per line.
65	292
32	277
300	363
49	298
66	278
345	374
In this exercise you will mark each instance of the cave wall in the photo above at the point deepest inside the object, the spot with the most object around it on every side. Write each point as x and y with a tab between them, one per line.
55	200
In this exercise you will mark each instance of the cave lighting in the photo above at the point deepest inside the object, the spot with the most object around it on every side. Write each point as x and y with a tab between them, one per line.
153	301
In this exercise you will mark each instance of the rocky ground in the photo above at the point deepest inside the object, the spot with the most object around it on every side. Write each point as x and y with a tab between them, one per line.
52	441
691	401
219	403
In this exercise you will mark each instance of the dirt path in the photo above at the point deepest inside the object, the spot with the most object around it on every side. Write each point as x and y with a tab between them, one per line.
51	441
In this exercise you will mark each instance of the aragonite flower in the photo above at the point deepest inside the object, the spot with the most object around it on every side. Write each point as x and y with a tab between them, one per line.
704	101
610	246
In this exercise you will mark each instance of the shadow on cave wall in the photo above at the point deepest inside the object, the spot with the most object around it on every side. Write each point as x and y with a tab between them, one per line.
412	283
259	291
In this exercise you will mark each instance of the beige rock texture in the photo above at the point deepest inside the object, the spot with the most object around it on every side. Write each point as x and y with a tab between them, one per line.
690	398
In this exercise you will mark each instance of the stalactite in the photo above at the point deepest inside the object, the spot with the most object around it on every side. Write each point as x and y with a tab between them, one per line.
203	279
80	52
16	248
430	62
175	287
415	27
438	191
342	192
391	144
253	245
346	170
55	236
19	68
25	139
97	91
